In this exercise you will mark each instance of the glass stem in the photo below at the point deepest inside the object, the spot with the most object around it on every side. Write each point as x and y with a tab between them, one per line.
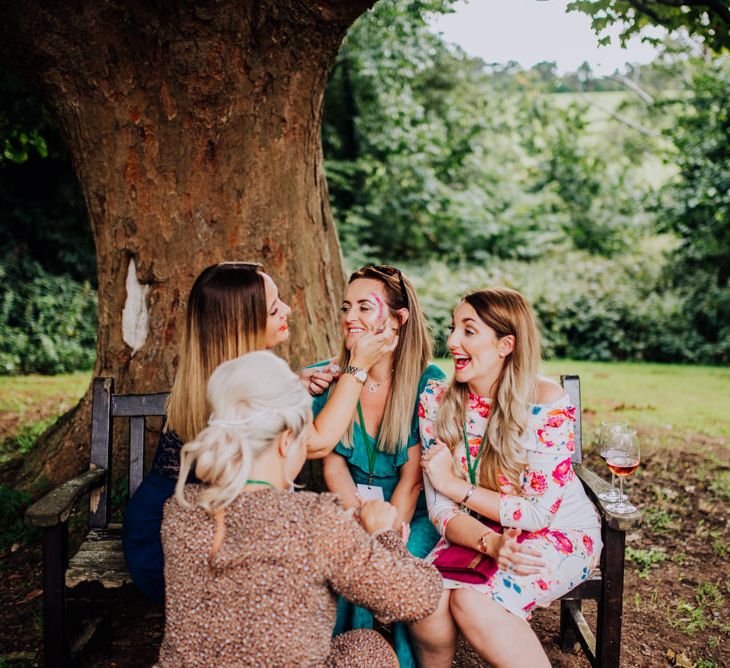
613	483
622	498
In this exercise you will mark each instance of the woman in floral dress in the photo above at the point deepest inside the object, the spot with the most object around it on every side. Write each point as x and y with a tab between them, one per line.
498	442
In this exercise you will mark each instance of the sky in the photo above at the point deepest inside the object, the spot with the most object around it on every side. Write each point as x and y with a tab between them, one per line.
530	31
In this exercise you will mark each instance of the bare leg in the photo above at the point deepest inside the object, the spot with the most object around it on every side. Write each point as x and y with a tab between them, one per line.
435	636
497	635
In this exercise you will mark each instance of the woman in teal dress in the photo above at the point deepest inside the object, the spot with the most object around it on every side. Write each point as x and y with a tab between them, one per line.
380	455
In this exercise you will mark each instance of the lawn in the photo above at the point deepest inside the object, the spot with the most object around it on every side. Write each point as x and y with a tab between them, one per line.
30	404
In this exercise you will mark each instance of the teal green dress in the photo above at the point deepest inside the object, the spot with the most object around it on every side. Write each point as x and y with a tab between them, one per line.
386	475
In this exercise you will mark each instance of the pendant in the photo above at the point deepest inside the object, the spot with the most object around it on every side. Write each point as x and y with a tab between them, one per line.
373	387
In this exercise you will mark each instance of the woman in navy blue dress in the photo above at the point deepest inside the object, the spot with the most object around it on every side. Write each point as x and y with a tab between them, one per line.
233	309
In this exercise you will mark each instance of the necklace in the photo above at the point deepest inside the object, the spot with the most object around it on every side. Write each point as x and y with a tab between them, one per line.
373	386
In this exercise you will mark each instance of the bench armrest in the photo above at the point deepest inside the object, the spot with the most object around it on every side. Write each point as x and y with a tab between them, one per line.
594	486
55	507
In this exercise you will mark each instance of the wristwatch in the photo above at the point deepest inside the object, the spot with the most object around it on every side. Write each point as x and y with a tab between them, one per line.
360	374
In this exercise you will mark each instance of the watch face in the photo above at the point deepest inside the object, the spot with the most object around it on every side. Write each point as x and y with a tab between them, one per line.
362	375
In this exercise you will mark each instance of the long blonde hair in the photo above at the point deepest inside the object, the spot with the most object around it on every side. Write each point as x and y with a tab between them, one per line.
410	357
225	318
507	312
248	414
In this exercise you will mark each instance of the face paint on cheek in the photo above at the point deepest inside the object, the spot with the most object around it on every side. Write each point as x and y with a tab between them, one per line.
377	315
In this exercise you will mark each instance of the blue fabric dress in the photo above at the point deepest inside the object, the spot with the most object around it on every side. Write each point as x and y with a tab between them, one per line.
386	475
143	518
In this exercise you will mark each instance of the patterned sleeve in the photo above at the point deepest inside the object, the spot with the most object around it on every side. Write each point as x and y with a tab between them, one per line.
441	509
377	573
548	473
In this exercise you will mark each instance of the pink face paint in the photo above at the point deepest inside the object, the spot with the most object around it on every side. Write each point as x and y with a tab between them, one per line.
377	316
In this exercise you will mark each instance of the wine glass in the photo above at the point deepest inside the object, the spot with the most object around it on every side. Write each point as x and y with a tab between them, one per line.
623	460
610	433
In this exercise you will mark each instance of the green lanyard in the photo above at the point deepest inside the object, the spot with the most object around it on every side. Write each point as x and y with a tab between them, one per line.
259	482
472	468
371	451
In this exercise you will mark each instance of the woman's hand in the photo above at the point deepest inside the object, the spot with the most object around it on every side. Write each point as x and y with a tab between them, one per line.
317	379
377	516
438	464
373	344
512	556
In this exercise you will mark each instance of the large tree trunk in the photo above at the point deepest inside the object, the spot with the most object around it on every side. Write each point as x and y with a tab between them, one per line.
195	133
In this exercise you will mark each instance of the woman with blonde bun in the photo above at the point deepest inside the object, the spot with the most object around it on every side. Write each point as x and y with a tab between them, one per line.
252	570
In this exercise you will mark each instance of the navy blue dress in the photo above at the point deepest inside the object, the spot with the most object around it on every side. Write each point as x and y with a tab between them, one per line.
143	519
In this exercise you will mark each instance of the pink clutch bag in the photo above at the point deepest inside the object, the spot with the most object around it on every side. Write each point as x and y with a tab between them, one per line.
465	565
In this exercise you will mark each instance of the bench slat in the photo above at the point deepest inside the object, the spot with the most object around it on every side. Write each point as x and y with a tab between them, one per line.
130	405
136	453
99	559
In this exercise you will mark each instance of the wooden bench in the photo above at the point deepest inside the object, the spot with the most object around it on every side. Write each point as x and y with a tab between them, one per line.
605	586
99	562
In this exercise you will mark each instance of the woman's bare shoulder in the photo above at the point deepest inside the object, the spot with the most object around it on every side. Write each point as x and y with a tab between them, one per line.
547	391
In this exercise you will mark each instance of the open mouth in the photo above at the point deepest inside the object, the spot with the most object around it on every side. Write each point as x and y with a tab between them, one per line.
355	330
461	361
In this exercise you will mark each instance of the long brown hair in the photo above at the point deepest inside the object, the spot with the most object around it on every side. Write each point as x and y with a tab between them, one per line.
410	357
226	318
506	312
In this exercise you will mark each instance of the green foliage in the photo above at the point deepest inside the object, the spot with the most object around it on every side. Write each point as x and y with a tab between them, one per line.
24	123
707	610
708	20
47	323
659	519
433	154
12	506
696	207
588	308
43	215
645	559
720	485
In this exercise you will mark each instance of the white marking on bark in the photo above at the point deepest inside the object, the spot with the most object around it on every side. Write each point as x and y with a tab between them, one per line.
135	316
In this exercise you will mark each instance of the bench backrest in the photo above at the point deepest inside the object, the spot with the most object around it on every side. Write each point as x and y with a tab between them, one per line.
105	406
137	407
571	384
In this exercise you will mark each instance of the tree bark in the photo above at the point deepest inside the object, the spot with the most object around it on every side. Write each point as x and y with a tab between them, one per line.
194	129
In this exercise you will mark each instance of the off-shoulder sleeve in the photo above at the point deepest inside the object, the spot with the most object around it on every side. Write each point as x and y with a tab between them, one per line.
377	573
549	469
441	509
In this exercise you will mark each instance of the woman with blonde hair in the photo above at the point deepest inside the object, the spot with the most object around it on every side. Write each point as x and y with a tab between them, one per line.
518	530
379	457
251	569
233	308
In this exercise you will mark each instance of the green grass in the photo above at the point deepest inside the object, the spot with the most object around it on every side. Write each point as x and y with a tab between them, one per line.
682	398
30	404
18	393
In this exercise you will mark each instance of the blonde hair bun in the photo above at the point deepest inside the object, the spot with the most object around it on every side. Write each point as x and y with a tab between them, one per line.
253	399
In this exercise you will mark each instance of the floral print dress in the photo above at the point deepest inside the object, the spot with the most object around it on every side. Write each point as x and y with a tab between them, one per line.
554	513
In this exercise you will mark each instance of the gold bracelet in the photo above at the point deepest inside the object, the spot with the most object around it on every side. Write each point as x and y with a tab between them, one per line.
469	492
481	543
